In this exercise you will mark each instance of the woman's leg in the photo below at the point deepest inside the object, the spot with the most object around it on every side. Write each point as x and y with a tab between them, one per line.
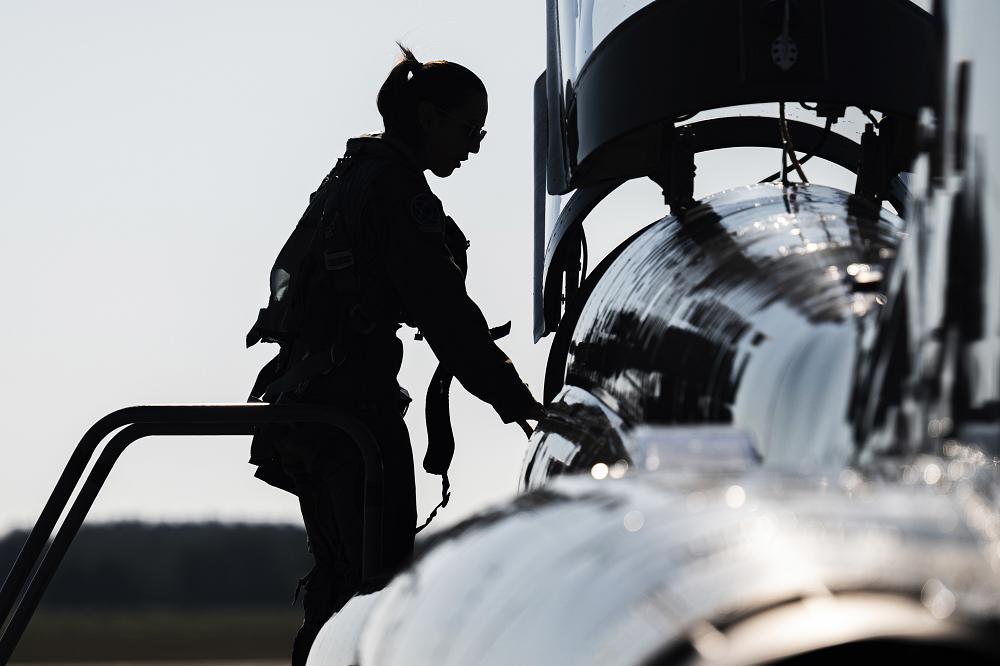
330	483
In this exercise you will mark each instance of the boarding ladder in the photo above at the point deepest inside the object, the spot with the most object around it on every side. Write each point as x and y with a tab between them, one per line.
39	557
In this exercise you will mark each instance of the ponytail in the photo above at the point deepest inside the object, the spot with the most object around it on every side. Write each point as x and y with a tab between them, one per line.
445	84
396	98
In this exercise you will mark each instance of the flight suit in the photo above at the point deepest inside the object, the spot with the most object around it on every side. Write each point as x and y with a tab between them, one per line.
410	266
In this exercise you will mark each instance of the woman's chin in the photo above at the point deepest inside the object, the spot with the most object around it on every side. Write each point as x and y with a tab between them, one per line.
443	171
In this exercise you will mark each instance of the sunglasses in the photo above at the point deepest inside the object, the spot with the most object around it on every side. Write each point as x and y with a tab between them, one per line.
476	133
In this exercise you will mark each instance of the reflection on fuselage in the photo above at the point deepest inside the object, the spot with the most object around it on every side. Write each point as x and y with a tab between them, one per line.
748	310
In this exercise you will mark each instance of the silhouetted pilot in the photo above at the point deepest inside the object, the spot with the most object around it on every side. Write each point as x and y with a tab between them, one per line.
374	249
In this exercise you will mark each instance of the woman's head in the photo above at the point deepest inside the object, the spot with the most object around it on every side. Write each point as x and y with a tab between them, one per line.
438	108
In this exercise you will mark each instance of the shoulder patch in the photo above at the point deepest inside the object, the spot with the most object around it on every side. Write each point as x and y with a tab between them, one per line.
427	212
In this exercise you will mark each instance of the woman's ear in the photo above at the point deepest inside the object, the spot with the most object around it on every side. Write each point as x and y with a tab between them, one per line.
426	117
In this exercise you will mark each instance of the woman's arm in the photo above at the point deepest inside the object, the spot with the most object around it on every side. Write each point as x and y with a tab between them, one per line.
432	290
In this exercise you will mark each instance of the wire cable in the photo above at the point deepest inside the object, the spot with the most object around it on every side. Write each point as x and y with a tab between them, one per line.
789	148
784	165
808	156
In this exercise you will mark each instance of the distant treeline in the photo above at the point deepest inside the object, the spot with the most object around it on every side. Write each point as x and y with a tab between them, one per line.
200	565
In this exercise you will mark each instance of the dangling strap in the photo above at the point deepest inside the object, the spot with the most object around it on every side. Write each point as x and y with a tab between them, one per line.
271	370
440	438
445	496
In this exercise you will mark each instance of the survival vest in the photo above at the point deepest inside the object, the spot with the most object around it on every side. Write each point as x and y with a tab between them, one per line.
316	244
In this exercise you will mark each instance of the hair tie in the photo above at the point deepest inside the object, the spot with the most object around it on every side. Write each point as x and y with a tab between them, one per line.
413	67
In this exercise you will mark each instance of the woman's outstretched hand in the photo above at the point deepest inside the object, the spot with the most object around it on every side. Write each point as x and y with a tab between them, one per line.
537	413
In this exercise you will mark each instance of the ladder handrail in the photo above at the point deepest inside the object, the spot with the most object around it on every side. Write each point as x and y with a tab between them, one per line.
149	420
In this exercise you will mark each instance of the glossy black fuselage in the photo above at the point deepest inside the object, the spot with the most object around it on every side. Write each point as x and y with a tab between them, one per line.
748	310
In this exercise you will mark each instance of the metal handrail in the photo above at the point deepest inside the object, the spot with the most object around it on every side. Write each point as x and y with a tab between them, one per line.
145	421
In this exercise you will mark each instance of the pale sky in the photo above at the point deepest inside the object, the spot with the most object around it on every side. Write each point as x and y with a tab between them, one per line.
155	155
